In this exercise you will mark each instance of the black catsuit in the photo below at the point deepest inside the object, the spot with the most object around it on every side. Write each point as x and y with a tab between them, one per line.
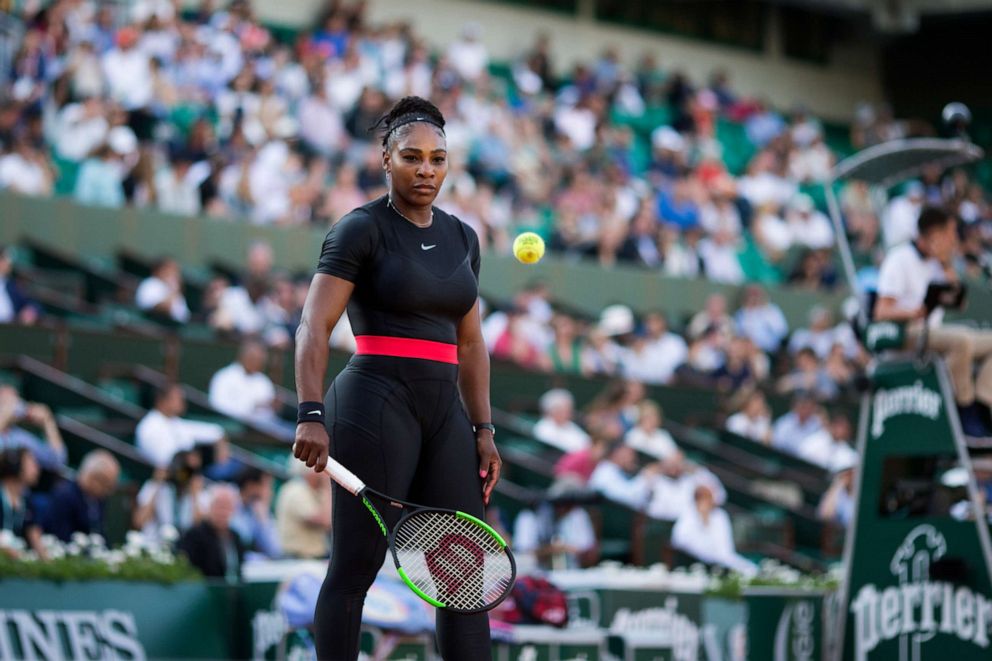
398	423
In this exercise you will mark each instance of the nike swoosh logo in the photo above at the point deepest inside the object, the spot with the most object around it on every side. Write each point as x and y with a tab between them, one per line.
423	247
314	412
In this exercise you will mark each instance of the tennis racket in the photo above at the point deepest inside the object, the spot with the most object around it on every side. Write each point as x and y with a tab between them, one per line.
450	559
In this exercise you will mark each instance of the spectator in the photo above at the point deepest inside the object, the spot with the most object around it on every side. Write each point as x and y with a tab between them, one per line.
736	371
837	504
822	335
673	487
830	447
655	355
78	506
100	180
809	227
211	545
303	513
899	218
162	433
558	533
713	315
648	436
753	420
761	320
176	188
252	520
808	375
25	170
15	306
556	426
128	72
161	294
565	351
580	464
618	478
243	391
801	422
704	532
18	474
174	496
50	453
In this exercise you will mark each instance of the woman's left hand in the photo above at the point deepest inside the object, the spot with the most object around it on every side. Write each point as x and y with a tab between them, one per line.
489	463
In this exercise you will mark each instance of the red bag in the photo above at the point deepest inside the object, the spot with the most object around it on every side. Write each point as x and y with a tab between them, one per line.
535	600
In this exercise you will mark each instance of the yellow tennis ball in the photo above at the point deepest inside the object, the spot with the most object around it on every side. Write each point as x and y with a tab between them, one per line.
528	248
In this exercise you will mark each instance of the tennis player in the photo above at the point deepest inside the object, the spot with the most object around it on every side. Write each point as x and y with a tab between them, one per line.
410	412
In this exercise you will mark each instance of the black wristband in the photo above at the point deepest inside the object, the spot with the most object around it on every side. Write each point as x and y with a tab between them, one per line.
310	412
484	425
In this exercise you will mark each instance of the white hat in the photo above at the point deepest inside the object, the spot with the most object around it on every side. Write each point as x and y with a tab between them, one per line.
616	320
667	138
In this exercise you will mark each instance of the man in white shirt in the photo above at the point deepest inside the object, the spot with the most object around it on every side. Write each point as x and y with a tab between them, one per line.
468	55
242	390
905	275
162	433
831	446
128	71
162	292
556	426
900	216
809	227
654	357
617	477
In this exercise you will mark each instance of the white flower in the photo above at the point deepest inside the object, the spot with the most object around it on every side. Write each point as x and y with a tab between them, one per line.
168	533
132	552
56	552
116	557
29	556
80	539
98	541
50	541
7	538
134	538
73	549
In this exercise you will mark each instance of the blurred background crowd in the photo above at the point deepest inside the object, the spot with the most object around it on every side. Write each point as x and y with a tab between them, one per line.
204	111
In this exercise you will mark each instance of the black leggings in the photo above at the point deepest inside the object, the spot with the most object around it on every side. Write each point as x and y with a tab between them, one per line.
399	424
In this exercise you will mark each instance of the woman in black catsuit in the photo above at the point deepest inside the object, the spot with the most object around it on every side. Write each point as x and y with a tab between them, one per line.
410	412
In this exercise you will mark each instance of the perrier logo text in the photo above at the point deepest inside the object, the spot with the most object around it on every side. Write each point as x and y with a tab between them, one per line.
915	399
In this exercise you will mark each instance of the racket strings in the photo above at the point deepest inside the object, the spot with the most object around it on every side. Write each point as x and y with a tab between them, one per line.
453	560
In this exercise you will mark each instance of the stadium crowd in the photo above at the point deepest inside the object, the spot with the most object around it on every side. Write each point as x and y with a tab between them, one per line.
206	112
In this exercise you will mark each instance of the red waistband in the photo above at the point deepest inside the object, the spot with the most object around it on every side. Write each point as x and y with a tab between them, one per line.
406	347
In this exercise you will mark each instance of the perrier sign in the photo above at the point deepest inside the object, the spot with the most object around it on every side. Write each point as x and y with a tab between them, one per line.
918	578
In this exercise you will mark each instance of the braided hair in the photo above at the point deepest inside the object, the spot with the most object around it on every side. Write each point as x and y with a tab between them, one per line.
396	123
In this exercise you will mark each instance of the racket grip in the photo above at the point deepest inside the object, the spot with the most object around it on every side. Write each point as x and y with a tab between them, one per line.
344	477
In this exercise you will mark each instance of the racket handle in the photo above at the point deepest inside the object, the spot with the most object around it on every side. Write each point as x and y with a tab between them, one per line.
344	477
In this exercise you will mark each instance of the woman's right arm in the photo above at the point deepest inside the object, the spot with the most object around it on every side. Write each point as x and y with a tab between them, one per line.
326	301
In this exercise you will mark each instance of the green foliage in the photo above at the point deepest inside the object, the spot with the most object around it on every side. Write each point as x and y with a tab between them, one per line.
83	568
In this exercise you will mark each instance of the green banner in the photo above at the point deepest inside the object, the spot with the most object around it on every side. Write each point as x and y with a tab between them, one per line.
918	583
112	620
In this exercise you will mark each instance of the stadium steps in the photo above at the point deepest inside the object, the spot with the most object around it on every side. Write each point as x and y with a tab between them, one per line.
67	394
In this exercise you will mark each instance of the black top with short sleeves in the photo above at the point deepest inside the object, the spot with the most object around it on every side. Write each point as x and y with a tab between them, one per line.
410	281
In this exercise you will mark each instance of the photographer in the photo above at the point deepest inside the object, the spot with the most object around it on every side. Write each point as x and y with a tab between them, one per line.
907	274
172	497
14	411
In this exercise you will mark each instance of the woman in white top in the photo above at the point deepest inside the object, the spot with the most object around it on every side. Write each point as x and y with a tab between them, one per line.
753	420
172	497
704	531
648	436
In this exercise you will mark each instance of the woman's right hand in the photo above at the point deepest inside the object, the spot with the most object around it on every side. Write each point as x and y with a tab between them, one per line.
311	445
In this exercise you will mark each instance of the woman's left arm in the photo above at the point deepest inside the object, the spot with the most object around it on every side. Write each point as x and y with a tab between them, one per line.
473	383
